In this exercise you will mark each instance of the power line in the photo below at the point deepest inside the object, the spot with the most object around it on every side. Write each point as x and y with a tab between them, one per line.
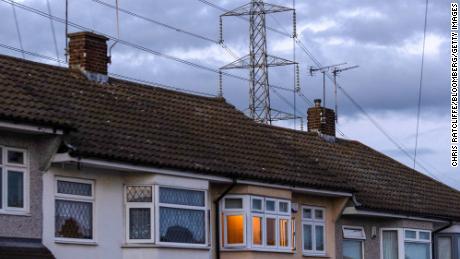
123	77
32	54
352	100
419	107
18	30
48	5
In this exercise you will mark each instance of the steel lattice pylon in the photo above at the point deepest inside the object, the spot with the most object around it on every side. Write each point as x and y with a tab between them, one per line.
258	61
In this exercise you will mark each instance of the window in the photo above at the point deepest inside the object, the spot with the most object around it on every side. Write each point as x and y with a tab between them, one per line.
313	231
14	189
444	247
405	243
139	206
352	246
181	216
74	209
417	244
267	221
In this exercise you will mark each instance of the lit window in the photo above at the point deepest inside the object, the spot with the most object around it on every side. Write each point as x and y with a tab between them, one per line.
13	180
182	216
412	243
235	225
74	209
352	246
313	231
257	230
139	206
269	223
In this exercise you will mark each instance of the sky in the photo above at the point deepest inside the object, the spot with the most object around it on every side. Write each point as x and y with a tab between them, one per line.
383	37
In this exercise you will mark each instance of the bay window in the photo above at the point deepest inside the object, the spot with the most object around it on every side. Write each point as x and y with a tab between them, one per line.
405	243
74	210
313	231
14	175
352	244
254	222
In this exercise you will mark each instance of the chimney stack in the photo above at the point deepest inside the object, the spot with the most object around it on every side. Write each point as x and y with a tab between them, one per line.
88	53
321	119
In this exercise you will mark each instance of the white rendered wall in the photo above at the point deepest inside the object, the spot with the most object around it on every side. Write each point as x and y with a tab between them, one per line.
109	221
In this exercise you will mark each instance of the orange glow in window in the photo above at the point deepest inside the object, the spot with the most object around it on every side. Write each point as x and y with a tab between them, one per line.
257	230
284	233
235	229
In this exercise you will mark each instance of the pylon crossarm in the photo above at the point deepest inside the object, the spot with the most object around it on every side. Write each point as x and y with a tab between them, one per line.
245	62
264	8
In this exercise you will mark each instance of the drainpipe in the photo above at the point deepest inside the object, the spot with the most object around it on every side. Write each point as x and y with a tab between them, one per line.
217	218
433	251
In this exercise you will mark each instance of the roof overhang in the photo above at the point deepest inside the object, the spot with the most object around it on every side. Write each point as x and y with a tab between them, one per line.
353	211
29	128
95	163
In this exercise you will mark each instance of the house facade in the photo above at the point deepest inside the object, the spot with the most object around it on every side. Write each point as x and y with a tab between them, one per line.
97	167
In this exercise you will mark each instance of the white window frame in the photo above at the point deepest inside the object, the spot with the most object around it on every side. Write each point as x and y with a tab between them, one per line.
361	240
402	240
22	168
140	205
205	209
79	198
314	222
248	212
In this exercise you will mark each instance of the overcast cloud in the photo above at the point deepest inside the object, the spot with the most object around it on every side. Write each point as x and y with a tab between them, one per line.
383	37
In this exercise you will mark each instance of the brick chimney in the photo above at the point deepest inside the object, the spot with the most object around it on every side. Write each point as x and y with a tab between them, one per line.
321	119
88	53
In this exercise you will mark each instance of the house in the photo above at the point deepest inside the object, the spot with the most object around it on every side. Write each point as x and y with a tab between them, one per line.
98	167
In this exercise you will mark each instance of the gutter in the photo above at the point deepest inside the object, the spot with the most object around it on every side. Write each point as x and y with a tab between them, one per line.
354	211
66	158
217	218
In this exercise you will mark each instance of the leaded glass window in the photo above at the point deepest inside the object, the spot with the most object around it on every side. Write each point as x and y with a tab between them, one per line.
139	205
182	216
74	209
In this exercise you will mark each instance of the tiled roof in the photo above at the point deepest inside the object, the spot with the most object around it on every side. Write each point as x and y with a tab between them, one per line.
129	122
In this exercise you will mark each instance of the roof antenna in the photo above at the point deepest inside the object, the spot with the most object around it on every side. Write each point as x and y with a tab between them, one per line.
66	49
323	70
335	71
118	32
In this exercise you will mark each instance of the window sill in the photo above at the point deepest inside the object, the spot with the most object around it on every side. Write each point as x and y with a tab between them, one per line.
316	255
151	245
75	242
227	249
16	213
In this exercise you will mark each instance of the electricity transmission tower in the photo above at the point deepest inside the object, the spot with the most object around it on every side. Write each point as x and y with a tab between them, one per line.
258	61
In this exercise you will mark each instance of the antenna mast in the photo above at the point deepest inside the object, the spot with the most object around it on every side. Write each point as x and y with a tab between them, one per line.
335	72
258	61
323	70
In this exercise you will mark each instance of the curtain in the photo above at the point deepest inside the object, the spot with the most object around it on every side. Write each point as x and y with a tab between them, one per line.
352	249
417	250
444	248
390	245
139	223
182	225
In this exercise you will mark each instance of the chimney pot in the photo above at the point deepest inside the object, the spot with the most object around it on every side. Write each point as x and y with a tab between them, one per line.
317	102
88	53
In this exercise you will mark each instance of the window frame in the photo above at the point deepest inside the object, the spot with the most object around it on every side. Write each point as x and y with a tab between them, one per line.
157	206
248	213
313	222
360	240
77	198
139	205
402	240
6	167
